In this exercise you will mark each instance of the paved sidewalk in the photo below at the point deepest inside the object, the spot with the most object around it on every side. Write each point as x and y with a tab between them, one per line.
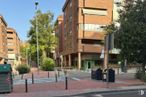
50	89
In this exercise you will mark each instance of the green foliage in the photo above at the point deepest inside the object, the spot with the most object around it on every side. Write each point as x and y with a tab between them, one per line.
48	64
141	75
46	38
130	37
22	69
28	52
24	49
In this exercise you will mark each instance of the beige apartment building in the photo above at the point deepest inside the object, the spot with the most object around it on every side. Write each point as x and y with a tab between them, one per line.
3	40
13	45
83	31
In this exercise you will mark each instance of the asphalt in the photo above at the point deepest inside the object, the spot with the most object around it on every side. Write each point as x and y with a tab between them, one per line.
133	93
110	91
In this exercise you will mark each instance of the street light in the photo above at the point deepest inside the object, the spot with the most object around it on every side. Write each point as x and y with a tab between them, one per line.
36	29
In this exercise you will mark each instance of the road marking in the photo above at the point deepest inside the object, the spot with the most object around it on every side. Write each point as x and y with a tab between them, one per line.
38	80
97	95
74	78
141	92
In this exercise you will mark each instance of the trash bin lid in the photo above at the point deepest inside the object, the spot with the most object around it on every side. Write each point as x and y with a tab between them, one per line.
5	68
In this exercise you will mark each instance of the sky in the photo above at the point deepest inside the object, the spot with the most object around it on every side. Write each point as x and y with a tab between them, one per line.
18	13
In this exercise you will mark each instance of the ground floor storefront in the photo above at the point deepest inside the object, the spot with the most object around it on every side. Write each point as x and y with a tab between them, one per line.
85	61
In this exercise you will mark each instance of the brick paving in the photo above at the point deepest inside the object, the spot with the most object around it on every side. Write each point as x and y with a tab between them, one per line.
51	89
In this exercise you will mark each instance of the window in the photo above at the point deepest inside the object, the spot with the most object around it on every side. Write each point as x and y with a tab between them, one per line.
10	32
92	27
70	4
10	38
10	49
93	42
64	15
70	18
70	31
99	12
64	28
10	43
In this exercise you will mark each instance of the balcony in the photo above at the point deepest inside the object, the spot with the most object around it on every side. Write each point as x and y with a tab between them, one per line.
94	35
91	48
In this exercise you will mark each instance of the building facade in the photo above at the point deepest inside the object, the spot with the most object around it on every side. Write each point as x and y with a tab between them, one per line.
13	45
3	40
60	35
83	31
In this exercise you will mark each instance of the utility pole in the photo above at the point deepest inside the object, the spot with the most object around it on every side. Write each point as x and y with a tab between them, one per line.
106	52
36	29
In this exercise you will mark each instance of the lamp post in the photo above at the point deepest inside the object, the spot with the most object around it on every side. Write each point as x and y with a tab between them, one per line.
36	29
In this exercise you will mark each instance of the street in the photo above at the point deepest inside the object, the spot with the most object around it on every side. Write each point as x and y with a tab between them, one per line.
137	93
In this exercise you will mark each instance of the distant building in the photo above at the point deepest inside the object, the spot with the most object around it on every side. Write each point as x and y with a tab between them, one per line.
83	31
13	45
3	40
9	44
60	35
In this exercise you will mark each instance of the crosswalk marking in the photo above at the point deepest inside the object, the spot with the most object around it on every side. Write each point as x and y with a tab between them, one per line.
40	80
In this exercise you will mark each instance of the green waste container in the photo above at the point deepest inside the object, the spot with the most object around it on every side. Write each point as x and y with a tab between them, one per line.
6	82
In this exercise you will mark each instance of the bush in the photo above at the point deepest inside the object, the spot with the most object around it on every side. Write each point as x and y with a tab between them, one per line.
48	64
141	75
138	74
22	69
143	78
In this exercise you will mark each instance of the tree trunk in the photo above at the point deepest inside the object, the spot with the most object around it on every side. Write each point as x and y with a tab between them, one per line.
125	65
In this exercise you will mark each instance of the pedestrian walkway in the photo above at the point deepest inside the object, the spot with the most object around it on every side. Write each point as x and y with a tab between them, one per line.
47	87
37	80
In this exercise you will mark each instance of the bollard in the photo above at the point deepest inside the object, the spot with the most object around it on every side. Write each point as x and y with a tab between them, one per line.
26	86
56	79
32	78
66	83
48	74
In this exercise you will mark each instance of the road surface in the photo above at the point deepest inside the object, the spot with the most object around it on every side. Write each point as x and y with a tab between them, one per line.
137	93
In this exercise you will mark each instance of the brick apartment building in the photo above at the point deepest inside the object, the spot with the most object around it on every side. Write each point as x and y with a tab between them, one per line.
9	44
13	45
83	34
60	34
3	40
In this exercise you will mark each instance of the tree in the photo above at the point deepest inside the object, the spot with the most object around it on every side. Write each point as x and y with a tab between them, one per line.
130	37
24	50
47	41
